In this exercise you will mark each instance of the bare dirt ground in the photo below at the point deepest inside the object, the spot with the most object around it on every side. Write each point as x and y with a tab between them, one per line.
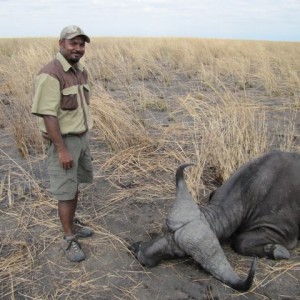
34	266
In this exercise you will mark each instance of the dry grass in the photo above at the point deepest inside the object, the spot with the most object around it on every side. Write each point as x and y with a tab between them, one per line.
156	103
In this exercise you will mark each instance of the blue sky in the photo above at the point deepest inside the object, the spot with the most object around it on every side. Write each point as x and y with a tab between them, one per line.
277	20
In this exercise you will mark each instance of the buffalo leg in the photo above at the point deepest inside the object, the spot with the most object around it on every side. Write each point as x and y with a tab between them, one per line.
151	253
257	243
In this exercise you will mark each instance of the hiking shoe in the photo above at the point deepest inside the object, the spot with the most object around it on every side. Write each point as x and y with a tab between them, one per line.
72	249
80	230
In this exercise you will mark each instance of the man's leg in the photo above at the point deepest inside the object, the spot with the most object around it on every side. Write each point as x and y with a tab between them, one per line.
70	245
63	183
66	213
70	224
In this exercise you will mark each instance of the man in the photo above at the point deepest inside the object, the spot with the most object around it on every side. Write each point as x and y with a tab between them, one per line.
61	100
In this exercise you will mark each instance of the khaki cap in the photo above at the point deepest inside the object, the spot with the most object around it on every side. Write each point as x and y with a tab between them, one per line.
72	31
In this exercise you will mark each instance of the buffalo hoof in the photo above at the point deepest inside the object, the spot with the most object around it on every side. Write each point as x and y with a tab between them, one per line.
277	251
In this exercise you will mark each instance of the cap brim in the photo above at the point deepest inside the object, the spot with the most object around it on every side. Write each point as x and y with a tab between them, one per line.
86	38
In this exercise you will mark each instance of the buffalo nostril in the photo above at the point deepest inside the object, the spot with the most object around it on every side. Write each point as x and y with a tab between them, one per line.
134	248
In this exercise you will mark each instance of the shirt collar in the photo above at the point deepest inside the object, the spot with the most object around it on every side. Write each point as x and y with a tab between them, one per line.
65	63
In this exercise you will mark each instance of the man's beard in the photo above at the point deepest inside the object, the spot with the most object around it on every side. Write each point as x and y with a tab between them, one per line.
74	60
75	57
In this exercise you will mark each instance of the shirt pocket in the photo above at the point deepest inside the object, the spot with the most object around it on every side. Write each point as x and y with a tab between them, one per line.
69	98
86	93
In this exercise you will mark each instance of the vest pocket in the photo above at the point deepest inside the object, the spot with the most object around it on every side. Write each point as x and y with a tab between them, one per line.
69	99
86	93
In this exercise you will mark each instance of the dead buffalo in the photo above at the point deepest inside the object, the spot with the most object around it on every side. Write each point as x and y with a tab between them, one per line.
258	207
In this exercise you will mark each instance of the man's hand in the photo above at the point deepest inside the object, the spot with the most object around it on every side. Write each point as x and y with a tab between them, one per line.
64	156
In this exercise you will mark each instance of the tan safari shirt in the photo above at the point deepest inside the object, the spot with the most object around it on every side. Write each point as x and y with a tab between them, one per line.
63	91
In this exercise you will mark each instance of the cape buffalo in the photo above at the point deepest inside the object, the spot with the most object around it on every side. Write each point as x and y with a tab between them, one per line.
258	206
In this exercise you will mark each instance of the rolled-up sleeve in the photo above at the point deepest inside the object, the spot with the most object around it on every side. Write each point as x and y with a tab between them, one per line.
46	100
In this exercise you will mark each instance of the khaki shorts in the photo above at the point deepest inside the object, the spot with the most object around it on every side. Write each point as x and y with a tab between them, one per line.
64	183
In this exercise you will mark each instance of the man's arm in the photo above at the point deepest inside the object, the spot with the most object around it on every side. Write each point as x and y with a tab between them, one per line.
53	130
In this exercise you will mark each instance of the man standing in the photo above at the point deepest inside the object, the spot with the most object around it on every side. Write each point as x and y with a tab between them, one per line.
61	100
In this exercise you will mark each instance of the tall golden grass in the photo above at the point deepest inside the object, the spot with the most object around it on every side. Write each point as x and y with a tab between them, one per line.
157	102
